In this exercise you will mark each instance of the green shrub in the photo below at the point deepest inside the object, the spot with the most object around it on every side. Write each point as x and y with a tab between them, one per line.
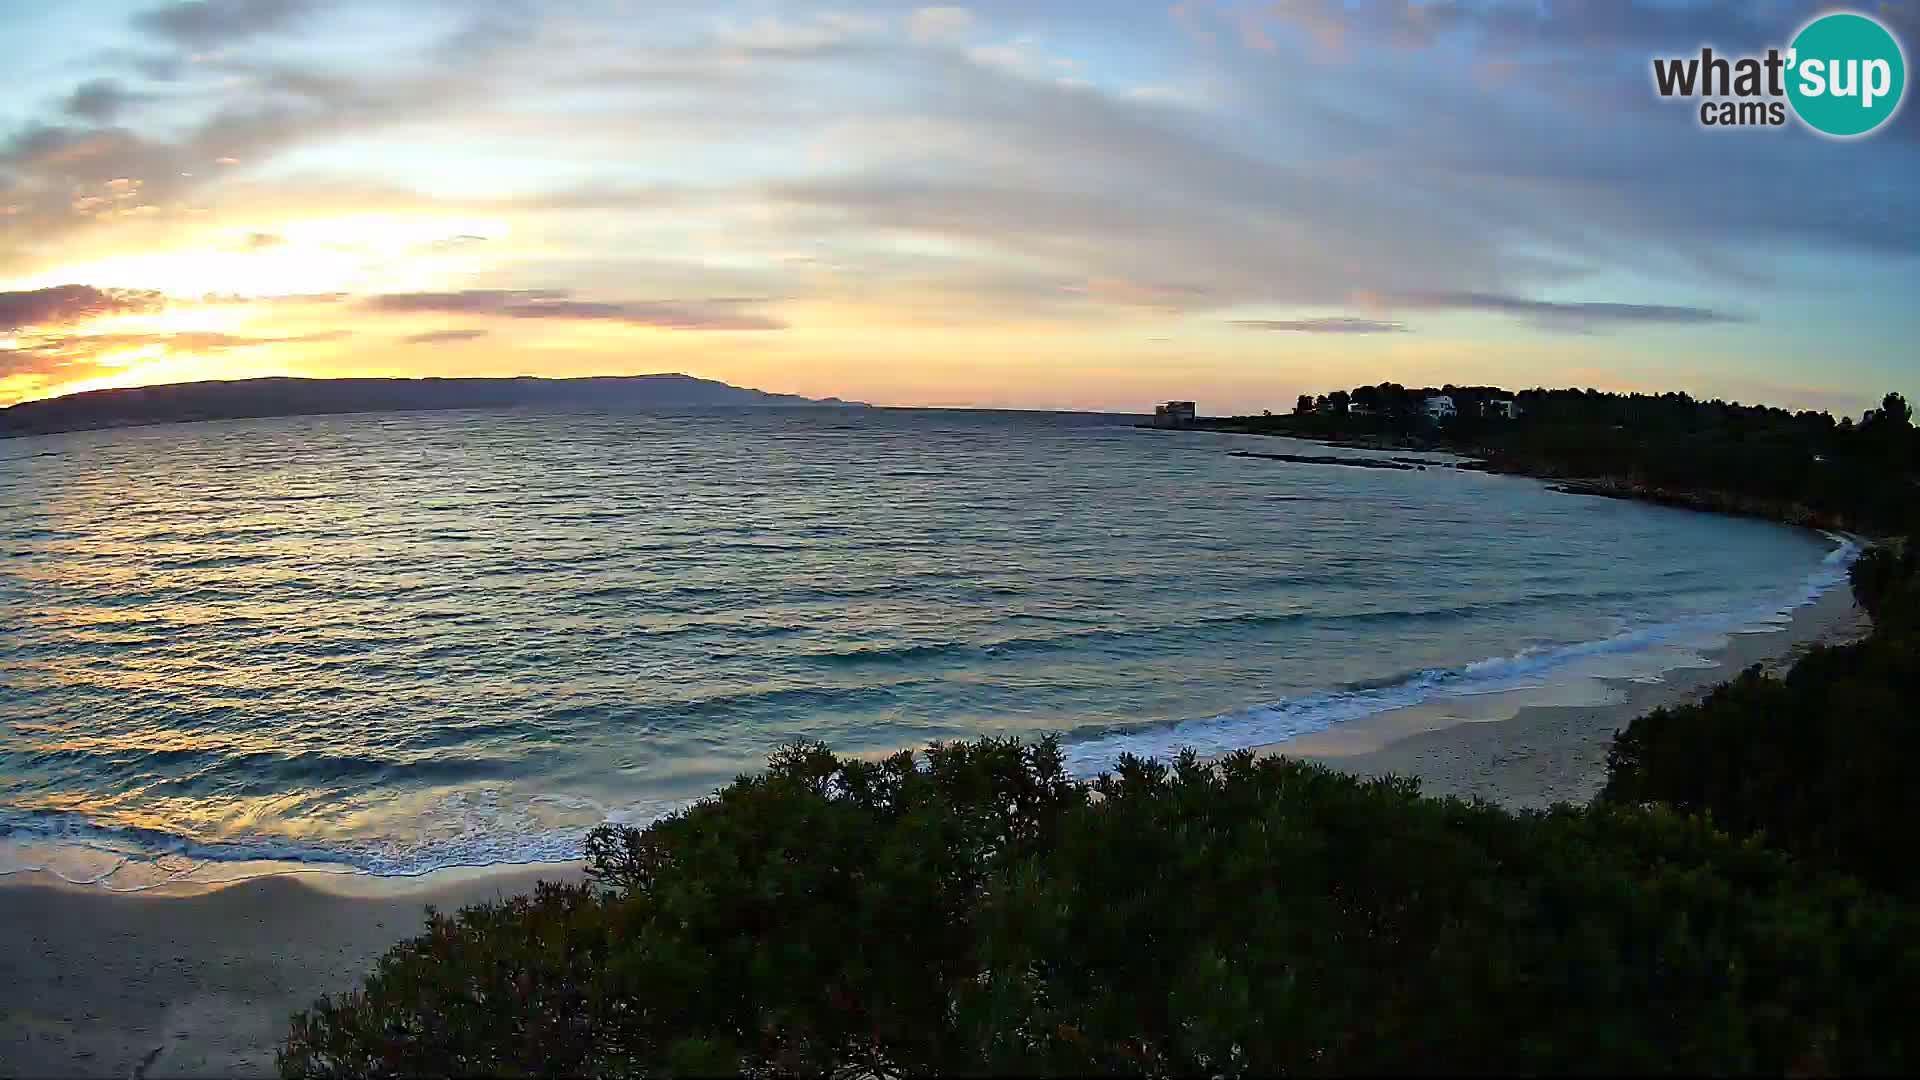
1886	582
1815	763
973	911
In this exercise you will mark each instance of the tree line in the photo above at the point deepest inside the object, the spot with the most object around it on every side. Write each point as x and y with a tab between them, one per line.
1804	466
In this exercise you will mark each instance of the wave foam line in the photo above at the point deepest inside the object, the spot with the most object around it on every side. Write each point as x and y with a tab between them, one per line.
1292	718
135	859
154	858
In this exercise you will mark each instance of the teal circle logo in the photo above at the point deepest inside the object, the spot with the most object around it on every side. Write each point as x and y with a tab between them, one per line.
1846	74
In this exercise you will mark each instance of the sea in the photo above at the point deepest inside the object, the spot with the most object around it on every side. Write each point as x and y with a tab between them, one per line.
386	644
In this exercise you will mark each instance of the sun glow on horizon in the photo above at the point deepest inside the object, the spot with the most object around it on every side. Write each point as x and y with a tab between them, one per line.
354	253
949	205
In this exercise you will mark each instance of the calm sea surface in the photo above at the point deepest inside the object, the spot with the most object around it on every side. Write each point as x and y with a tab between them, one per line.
396	642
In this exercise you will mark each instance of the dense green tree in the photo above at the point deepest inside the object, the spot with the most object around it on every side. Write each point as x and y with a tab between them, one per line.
1815	763
973	911
1803	467
1893	411
1886	582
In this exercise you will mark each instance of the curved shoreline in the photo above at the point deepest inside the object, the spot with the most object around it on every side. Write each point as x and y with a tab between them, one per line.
1492	688
1545	754
1335	724
186	980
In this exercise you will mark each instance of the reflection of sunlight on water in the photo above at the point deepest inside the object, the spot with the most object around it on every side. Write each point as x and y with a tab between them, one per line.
406	836
397	642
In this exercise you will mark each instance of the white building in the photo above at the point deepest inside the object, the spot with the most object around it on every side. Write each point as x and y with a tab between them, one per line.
1440	406
1173	414
1501	407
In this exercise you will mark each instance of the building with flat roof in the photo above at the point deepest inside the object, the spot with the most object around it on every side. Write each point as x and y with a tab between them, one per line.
1174	414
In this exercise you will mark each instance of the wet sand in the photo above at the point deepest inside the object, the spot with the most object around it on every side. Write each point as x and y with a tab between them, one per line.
95	983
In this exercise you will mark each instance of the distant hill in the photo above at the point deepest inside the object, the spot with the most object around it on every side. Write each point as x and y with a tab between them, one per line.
182	402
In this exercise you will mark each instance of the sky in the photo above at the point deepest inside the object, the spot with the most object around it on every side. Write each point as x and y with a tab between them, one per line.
1080	204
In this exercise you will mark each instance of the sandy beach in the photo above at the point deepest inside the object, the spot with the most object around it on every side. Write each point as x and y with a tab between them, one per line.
145	985
1545	754
153	985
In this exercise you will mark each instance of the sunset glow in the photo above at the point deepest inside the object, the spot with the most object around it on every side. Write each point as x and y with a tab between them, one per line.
1042	204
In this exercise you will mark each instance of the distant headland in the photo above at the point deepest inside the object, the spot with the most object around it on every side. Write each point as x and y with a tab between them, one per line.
174	403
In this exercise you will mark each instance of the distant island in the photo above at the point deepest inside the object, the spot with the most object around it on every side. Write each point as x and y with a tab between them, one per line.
175	403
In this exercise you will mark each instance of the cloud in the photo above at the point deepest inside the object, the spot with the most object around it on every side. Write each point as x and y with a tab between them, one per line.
1481	199
203	24
63	305
438	337
1140	294
78	354
101	100
184	341
1332	324
558	304
1510	25
924	186
931	24
241	109
1585	315
821	34
276	299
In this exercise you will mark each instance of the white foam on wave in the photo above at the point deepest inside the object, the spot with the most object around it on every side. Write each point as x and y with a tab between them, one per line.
469	829
1281	721
488	828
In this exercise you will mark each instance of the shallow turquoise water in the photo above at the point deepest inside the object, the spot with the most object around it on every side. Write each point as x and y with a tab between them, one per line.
402	641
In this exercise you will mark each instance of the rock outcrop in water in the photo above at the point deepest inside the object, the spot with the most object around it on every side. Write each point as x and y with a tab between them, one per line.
1713	502
183	402
1401	464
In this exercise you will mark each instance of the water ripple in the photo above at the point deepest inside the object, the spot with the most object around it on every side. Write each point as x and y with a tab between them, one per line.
387	643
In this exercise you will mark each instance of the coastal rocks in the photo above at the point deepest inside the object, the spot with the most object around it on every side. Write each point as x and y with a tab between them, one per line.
1398	464
1714	502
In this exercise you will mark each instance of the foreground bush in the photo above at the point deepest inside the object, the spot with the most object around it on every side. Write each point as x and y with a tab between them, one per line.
1886	582
1817	763
974	911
